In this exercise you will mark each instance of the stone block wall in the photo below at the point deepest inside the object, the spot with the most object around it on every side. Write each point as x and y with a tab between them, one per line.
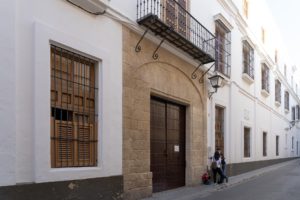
169	77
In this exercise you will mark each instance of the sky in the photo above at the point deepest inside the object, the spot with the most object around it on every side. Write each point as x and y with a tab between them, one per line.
287	16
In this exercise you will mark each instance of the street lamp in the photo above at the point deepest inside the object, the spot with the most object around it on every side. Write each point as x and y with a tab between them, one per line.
216	82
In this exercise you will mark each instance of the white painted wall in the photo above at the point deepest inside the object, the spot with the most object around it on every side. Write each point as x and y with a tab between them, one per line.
243	101
27	30
8	92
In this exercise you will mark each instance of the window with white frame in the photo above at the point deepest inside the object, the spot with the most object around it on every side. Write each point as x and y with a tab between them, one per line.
265	77
277	91
223	48
286	101
248	59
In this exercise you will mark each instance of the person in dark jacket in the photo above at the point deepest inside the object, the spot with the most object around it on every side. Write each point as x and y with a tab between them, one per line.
223	167
216	167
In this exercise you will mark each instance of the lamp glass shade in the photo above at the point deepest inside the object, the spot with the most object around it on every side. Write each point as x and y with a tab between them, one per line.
216	81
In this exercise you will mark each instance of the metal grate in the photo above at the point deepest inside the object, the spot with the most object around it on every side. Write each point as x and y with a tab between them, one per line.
265	77
170	20
248	59
73	114
223	49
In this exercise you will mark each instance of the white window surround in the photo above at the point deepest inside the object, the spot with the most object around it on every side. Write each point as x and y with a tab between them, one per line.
277	103
246	125
265	93
247	78
44	36
221	18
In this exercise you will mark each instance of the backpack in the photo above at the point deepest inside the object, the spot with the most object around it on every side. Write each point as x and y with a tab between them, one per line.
214	164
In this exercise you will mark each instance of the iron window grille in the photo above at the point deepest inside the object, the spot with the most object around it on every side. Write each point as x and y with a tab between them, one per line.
73	110
286	100
298	111
265	78
170	20
248	59
278	91
223	49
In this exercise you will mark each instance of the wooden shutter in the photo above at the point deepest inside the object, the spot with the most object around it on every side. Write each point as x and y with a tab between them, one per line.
63	144
176	16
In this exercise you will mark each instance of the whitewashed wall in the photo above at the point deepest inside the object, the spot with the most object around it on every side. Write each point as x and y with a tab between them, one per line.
244	104
8	93
29	27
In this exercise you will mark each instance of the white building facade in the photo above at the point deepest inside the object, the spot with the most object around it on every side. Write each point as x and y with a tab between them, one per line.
259	103
75	65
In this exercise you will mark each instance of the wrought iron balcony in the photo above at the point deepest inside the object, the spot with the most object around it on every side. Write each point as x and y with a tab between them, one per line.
170	20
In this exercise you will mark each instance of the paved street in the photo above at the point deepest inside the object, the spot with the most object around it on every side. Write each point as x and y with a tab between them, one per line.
276	182
283	183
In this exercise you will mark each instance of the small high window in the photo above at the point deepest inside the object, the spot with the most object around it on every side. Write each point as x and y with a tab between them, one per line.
246	142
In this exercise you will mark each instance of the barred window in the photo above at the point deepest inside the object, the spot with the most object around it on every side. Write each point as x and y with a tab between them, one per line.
73	110
248	59
286	100
223	48
265	77
176	16
278	91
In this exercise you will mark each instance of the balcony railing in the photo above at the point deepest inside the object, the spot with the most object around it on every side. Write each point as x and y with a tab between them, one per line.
171	21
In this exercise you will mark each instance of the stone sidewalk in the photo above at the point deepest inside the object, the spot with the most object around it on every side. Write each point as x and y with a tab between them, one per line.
192	192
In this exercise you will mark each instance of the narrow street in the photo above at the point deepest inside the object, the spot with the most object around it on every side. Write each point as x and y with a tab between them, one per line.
283	183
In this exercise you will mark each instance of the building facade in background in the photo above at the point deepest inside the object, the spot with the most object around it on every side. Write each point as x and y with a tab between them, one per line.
111	99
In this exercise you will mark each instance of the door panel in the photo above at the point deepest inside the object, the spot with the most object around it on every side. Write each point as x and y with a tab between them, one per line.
167	145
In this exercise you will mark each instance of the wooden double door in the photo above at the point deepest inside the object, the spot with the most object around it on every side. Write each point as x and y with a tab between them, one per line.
167	145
